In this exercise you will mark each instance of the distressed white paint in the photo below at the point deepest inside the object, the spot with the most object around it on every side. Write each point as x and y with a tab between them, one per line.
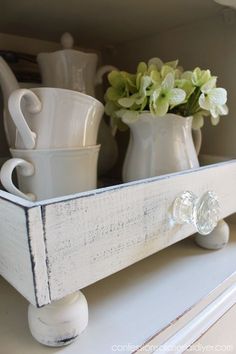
97	234
200	324
159	294
73	241
218	335
15	262
61	322
38	256
22	249
217	239
188	322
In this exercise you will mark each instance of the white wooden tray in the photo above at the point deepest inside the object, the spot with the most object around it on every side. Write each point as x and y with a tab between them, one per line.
52	248
171	296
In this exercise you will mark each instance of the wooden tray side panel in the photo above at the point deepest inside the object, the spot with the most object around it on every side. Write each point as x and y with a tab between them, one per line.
15	259
93	236
22	251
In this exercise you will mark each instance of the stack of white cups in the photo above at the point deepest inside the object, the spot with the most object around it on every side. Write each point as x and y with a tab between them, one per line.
55	150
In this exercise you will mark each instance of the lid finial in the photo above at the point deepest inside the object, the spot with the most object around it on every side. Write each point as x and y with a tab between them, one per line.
67	41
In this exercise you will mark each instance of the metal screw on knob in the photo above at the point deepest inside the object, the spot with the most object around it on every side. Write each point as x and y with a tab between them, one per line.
201	212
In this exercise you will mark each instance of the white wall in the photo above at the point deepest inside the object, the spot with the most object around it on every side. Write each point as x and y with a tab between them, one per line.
210	43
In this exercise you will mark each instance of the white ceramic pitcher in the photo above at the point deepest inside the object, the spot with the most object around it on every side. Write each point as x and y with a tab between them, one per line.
71	69
160	145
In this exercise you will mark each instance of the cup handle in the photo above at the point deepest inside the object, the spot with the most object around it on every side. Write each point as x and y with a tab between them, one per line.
26	169
101	72
197	139
33	105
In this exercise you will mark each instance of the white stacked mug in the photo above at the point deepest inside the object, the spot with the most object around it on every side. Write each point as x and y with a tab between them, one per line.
55	151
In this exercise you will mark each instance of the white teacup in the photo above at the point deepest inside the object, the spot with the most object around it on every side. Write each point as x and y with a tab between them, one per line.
54	118
44	174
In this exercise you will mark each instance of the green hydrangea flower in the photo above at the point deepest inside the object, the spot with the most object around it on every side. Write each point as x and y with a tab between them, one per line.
200	77
160	88
213	99
165	96
121	84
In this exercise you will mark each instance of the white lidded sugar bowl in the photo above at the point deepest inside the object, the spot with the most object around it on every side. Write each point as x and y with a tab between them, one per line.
71	69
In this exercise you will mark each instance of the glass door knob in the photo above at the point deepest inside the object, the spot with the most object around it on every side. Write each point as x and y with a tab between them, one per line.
201	212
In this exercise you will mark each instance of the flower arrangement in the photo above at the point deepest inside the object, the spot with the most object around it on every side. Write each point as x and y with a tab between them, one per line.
162	88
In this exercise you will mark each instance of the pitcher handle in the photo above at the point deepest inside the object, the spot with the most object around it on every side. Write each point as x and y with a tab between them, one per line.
101	72
197	139
33	105
26	169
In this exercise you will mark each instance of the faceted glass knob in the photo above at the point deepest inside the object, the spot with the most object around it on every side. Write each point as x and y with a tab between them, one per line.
201	212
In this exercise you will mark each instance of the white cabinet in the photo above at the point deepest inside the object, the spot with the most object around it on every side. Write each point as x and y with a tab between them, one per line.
220	337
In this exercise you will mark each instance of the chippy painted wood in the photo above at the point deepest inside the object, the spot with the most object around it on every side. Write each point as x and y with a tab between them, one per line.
193	322
62	245
94	235
61	322
22	249
217	334
187	335
153	296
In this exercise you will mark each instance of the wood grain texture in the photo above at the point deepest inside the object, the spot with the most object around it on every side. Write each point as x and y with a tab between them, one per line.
15	260
195	328
22	250
97	234
52	248
194	321
180	276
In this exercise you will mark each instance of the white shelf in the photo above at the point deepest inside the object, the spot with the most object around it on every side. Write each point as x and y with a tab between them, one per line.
133	305
230	3
100	22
